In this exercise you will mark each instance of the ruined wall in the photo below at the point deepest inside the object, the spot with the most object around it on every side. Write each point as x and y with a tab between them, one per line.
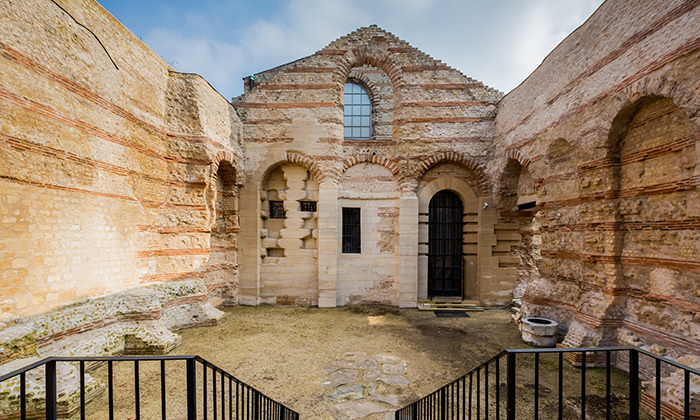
424	114
110	158
608	127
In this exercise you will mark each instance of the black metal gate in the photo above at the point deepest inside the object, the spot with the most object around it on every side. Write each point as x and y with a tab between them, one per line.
445	245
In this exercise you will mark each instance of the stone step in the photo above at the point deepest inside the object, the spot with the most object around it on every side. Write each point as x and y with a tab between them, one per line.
457	306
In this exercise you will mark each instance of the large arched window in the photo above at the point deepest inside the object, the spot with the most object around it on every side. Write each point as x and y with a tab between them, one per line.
358	113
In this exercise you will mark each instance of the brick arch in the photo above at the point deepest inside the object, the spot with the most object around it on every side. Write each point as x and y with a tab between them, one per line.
507	184
364	81
518	155
310	164
226	156
379	58
482	183
681	95
371	158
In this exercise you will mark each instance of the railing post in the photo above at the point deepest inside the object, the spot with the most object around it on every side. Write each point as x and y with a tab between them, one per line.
51	407
256	405
443	403
634	384
191	389
510	386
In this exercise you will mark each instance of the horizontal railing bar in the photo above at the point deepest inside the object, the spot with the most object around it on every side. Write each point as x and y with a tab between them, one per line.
199	359
24	369
88	359
687	369
600	349
569	349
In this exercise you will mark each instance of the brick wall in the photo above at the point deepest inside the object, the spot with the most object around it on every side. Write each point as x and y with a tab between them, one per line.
110	161
608	126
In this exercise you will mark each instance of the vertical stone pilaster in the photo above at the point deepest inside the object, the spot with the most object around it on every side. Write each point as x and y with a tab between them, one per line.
408	242
249	245
328	238
486	240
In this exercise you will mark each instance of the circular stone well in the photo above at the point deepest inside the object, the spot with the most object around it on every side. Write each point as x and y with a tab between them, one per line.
541	332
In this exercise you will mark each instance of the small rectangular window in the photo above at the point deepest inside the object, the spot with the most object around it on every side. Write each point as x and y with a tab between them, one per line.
277	210
351	230
308	206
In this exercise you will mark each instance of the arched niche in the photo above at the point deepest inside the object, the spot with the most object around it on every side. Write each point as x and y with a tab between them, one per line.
517	187
222	275
652	141
288	235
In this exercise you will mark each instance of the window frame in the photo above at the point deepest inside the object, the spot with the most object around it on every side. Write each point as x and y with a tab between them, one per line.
308	203
351	230
358	111
274	206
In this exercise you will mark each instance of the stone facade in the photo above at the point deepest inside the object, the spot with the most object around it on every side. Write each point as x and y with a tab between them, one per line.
125	184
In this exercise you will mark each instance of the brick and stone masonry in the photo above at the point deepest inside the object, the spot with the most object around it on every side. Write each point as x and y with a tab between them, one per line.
125	184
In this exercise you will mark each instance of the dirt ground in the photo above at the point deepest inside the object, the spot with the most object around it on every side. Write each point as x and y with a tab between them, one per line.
283	351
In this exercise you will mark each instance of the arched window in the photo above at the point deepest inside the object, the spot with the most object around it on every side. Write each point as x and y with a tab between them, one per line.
358	113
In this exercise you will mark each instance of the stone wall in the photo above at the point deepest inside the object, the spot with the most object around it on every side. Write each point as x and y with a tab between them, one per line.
109	181
608	127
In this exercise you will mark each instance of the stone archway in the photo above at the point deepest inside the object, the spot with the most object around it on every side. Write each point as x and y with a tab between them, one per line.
445	238
445	177
221	273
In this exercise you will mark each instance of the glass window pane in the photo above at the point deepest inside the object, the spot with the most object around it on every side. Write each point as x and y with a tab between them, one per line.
357	112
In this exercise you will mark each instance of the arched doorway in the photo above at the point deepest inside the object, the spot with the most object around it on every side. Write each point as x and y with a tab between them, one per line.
445	245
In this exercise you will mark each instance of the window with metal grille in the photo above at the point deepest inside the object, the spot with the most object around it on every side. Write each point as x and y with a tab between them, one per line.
351	230
357	113
277	210
308	206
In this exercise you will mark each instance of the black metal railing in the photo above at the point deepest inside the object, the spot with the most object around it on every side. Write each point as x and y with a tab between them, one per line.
608	384
194	389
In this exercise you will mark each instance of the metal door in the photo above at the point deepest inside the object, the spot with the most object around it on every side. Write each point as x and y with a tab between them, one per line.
445	245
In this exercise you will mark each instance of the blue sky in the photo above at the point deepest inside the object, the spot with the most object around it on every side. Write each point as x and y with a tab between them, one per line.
498	42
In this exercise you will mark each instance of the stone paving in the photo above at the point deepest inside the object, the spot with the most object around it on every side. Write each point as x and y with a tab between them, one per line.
365	387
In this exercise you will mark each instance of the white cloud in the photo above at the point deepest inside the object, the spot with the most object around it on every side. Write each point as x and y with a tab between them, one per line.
217	62
498	42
